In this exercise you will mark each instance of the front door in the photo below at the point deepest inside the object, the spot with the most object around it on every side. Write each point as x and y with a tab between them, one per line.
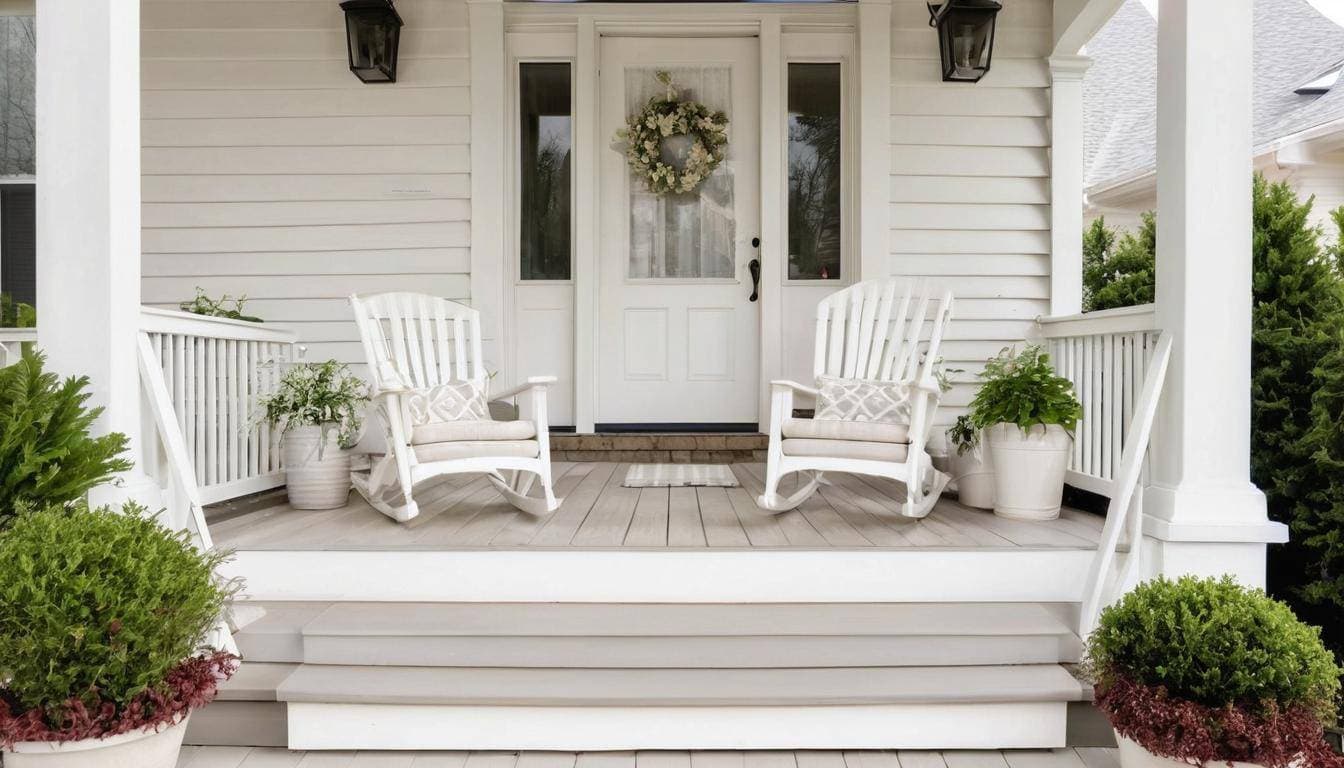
678	332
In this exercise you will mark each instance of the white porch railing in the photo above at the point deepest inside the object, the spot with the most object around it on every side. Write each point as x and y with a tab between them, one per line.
213	370
1117	361
1106	355
12	341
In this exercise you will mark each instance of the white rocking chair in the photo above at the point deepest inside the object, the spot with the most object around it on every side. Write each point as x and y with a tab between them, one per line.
415	342
872	331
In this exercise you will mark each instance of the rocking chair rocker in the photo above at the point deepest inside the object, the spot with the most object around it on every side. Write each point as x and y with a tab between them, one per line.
421	348
870	343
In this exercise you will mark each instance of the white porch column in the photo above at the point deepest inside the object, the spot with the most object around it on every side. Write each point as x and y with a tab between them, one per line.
1204	515
489	265
88	209
874	113
1066	183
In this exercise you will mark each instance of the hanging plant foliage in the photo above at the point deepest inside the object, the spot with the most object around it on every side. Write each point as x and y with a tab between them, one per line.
666	116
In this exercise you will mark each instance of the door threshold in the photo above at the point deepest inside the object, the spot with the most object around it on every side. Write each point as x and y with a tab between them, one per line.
678	428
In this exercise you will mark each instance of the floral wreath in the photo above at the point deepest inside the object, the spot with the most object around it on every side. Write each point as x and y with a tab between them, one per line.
665	116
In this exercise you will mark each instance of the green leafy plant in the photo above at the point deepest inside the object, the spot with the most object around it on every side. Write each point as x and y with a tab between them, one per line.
47	454
320	395
1119	270
964	435
16	314
99	608
225	306
1021	388
1205	669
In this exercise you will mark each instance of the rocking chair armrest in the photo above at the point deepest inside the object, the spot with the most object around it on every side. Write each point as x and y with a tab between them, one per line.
931	386
388	392
785	385
533	382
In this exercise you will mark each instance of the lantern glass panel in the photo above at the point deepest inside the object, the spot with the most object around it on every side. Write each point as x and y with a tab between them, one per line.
966	39
373	30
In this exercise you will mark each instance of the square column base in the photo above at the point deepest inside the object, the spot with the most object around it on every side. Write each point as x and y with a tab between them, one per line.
1243	561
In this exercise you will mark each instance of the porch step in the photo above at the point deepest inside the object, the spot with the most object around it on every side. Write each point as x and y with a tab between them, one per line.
338	707
333	684
687	636
586	676
680	448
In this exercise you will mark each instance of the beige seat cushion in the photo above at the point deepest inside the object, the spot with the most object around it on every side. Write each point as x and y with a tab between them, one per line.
833	429
846	449
477	430
472	449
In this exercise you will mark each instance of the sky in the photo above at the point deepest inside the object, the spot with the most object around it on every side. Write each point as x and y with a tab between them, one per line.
1331	9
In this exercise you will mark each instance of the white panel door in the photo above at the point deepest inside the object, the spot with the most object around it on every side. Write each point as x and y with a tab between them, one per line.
678	334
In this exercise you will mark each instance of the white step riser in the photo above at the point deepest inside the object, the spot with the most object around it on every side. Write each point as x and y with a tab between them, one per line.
666	576
688	652
316	726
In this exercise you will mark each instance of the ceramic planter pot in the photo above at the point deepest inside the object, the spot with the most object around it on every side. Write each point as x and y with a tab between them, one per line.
317	479
973	472
1134	756
141	749
1029	469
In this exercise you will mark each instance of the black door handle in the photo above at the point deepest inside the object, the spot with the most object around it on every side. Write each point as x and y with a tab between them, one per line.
755	268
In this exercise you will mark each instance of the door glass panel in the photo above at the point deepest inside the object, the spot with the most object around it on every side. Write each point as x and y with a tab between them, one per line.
543	238
18	49
814	172
690	235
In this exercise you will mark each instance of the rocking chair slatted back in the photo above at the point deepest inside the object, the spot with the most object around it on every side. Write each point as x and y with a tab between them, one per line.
419	341
869	331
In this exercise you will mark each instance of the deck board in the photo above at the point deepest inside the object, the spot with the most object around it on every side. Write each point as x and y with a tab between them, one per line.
859	513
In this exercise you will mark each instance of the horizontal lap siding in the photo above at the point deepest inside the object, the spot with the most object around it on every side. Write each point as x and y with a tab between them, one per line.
271	172
970	182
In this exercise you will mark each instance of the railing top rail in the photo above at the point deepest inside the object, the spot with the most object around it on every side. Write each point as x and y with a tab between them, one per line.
1121	320
155	320
18	334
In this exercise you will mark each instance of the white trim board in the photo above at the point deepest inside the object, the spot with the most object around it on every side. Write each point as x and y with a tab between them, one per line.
654	576
909	726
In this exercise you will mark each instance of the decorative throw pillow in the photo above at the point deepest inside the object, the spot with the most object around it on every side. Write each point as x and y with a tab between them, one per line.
456	401
887	402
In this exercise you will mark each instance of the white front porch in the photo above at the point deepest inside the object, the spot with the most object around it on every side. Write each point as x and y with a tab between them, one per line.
294	192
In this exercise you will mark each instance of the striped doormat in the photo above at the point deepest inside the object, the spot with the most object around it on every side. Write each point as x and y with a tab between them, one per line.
680	476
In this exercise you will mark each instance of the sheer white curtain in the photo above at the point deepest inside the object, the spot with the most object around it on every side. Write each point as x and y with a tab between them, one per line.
691	235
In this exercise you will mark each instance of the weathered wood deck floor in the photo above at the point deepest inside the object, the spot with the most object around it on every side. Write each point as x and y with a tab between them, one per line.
466	512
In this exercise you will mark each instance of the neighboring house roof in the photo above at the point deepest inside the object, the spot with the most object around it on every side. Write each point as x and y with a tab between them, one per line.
1294	45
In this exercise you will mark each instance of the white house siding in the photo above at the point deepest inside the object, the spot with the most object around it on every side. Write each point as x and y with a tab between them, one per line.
271	171
970	181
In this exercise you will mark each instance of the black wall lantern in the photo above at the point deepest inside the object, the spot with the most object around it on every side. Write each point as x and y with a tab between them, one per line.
965	37
372	32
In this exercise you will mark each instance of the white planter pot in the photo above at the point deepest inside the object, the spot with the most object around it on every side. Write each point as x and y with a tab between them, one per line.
315	479
973	472
1134	756
141	749
1029	470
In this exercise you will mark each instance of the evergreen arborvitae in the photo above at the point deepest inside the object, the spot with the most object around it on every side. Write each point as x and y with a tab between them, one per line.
1119	272
1295	348
1319	526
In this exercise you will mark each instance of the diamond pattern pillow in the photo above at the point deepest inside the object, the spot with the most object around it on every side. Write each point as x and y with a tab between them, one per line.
456	401
886	402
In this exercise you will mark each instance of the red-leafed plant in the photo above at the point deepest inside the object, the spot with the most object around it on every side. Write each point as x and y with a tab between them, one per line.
1206	671
103	618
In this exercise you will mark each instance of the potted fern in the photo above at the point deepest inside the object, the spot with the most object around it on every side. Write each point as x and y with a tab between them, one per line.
972	466
1205	672
104	616
1029	415
317	408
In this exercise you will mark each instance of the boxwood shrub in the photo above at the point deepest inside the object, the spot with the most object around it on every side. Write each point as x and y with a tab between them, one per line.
103	614
1205	669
